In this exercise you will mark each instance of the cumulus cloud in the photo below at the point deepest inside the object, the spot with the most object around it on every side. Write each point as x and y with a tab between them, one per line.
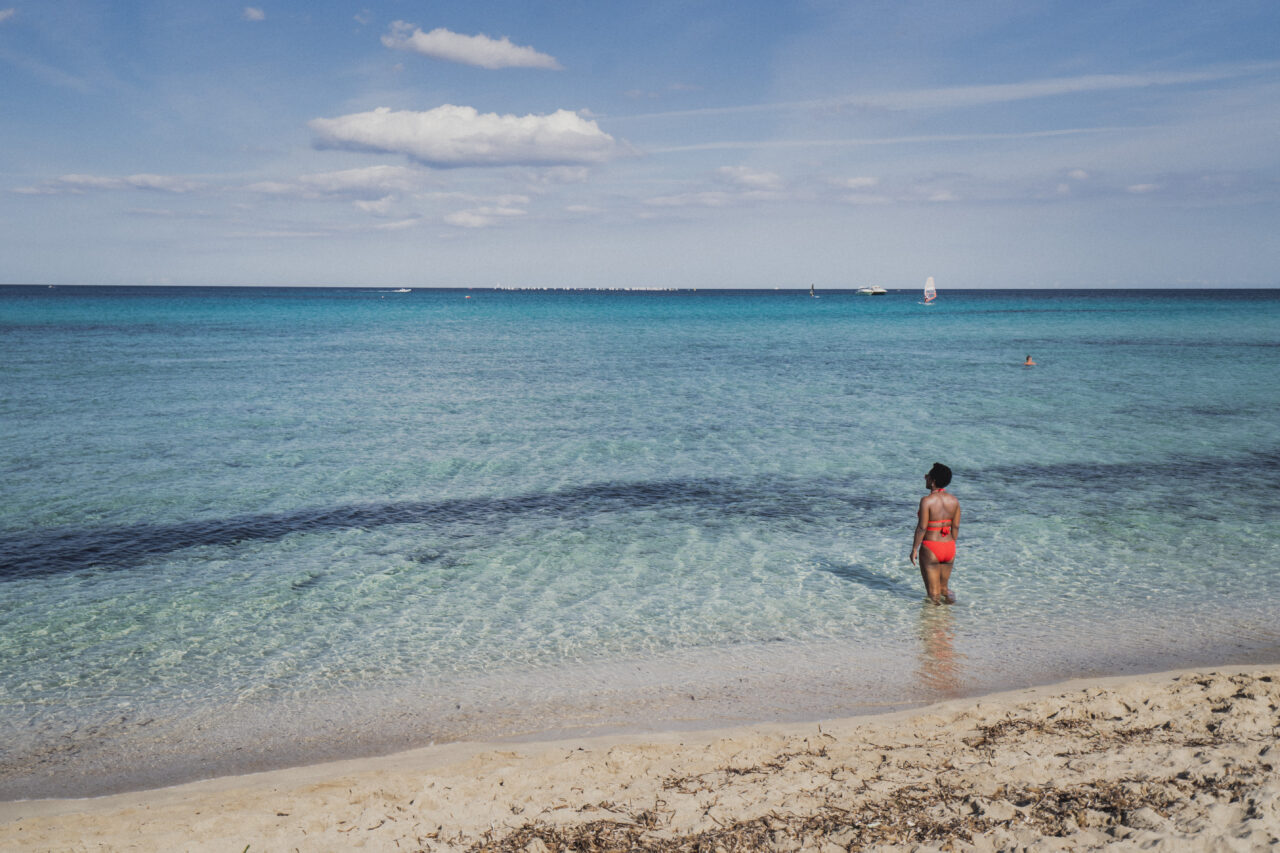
451	136
6	14
478	50
83	183
252	13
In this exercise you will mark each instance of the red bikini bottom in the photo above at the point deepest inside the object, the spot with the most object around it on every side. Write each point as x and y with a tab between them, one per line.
943	552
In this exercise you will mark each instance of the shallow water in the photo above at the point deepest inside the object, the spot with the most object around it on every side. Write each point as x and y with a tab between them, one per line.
248	527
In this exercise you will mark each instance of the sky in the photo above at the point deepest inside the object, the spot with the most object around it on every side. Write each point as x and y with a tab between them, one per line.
701	143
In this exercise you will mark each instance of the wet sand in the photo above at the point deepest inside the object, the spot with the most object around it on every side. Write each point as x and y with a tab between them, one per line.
1185	760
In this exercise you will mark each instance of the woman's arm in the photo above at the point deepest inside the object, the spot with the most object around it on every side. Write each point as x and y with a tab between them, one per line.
922	521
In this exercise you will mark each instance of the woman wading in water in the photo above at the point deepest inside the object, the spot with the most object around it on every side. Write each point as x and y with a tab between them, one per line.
936	530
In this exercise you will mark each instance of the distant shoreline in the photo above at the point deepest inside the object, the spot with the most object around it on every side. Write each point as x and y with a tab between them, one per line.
851	290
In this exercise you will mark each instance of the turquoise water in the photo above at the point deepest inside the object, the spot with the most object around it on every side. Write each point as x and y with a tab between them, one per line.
243	528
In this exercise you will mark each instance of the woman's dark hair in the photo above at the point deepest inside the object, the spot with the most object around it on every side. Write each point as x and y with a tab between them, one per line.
940	474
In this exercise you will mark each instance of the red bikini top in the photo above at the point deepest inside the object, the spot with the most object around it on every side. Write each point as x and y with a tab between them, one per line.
944	523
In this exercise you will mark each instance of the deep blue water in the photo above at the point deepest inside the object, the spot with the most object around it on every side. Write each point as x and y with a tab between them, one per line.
289	524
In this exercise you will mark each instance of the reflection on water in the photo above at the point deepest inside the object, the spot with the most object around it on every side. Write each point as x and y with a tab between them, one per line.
940	669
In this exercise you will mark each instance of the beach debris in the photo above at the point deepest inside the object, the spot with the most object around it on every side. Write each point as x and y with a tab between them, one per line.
852	797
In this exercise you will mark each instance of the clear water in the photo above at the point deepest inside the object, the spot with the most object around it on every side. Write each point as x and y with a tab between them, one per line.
242	528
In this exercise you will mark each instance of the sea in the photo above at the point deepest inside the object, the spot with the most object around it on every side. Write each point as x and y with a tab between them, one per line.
250	528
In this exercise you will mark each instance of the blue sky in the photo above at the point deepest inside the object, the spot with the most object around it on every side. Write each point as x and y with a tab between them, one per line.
660	144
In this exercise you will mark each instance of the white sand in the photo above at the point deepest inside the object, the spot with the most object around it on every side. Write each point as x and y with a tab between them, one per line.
1176	761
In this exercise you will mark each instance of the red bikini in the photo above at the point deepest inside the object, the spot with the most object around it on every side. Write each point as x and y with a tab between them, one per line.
943	552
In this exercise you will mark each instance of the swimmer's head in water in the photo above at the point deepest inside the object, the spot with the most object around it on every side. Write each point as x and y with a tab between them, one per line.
940	475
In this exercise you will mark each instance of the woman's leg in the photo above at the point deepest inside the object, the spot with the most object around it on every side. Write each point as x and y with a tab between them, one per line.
944	581
931	574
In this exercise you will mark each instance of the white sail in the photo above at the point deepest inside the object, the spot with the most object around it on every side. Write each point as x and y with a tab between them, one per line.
930	292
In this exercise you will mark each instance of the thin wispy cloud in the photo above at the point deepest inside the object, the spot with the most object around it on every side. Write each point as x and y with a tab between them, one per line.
46	73
328	231
451	136
370	182
478	50
85	183
886	140
6	14
955	97
745	185
747	178
482	217
253	13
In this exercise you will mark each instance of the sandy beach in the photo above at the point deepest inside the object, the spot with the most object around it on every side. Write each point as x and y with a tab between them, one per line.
1183	760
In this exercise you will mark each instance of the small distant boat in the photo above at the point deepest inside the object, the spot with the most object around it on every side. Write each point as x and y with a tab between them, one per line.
872	290
930	292
403	290
811	293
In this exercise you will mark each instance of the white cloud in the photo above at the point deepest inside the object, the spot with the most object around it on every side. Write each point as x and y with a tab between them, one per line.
6	14
867	198
371	182
252	13
81	183
745	186
1078	175
329	231
381	207
478	50
751	179
1142	189
481	217
452	136
699	199
549	176
860	183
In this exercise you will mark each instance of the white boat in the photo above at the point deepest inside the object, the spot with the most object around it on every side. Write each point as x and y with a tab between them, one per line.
403	290
930	292
873	290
